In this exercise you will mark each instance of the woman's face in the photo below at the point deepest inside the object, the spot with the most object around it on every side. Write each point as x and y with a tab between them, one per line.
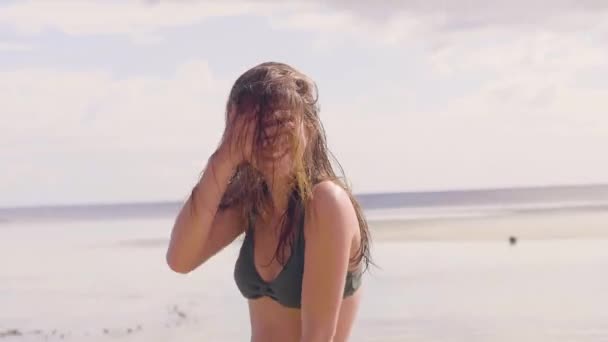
284	141
277	140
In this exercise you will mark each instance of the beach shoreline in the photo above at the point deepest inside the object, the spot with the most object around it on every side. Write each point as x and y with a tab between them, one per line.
451	279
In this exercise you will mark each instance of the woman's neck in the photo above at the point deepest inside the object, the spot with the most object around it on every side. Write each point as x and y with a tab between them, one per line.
280	190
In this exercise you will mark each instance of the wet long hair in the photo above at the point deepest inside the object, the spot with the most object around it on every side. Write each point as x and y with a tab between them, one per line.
277	90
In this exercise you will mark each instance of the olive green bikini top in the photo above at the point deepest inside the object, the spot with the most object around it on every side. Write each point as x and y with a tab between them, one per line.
286	287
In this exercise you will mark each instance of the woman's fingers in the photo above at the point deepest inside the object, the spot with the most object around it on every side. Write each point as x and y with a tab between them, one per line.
276	133
239	134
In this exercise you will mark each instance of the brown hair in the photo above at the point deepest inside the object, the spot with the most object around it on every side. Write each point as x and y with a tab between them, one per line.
269	90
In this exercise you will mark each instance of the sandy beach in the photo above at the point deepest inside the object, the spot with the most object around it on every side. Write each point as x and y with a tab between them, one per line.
436	280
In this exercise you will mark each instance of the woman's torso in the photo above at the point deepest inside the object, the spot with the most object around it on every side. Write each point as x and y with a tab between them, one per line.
274	290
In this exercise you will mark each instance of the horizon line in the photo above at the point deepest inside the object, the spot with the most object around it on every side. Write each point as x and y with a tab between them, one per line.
361	194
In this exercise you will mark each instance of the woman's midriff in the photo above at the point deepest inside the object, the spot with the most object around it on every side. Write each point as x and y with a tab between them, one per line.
272	322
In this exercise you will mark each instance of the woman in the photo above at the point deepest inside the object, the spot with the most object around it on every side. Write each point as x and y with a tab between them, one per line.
306	240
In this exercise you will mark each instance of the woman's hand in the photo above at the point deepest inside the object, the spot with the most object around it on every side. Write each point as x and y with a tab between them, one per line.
237	141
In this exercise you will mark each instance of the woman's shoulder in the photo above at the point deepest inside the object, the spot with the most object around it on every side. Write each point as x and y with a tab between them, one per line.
328	192
331	207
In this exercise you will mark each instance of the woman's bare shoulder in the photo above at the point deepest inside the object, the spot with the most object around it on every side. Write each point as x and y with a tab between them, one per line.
331	207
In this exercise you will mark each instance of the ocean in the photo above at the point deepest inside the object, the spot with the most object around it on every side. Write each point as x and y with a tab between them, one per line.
444	271
377	206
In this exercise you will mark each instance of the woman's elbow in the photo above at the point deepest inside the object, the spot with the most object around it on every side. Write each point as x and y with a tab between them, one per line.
176	264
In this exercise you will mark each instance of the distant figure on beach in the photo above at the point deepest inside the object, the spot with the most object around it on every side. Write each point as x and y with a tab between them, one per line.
512	240
306	243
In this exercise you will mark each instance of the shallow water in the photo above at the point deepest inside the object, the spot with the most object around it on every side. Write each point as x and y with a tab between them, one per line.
107	280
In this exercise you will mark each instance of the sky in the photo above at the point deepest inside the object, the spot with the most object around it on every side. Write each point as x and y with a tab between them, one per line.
121	101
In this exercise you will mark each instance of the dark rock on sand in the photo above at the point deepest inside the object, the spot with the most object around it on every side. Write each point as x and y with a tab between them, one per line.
10	332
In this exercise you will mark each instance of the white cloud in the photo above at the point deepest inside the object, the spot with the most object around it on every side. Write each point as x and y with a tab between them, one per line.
517	102
15	47
457	15
477	140
331	26
503	51
389	23
525	74
139	20
87	104
400	22
527	114
78	133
